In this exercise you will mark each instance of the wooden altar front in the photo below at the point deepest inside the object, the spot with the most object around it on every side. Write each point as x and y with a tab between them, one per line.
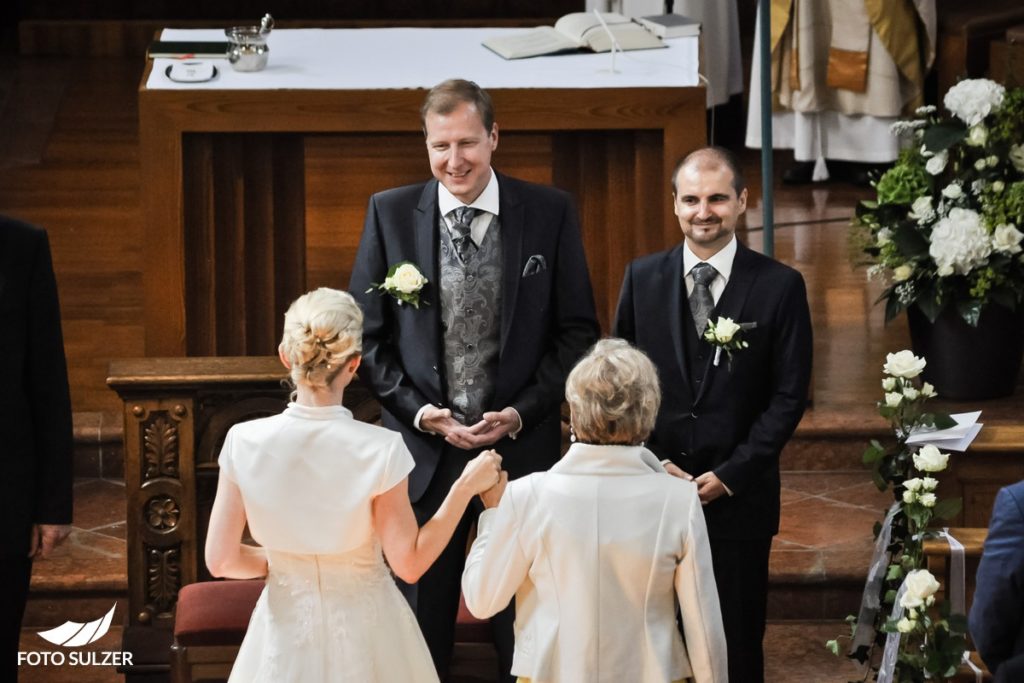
227	175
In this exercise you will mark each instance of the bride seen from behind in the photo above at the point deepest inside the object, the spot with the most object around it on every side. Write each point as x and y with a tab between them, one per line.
326	497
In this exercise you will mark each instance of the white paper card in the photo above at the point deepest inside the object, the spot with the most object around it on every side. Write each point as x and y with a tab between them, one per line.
957	438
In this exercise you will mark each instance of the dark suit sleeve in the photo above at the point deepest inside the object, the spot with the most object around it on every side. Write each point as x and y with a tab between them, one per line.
573	328
624	326
790	376
47	387
382	367
996	620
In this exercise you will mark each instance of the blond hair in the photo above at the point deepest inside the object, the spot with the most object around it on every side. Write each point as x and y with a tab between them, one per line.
613	393
323	330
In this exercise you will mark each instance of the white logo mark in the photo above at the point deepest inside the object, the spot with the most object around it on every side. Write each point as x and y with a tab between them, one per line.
73	634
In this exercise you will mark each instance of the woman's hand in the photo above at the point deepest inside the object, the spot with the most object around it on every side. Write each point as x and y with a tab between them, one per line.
492	496
482	472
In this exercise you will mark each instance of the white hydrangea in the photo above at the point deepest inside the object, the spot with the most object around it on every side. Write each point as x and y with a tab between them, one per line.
972	99
1006	239
959	242
953	191
883	237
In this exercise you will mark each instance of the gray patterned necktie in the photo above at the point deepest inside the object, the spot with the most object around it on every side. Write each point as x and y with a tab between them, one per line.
701	301
462	218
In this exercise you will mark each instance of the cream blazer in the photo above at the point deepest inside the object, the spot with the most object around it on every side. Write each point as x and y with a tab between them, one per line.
598	551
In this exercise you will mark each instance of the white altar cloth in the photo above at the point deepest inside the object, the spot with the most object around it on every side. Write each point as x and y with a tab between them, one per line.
400	58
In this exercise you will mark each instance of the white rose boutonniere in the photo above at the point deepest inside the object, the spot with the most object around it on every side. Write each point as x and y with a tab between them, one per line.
725	334
404	281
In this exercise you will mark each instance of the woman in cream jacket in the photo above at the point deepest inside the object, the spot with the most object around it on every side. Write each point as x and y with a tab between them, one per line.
600	549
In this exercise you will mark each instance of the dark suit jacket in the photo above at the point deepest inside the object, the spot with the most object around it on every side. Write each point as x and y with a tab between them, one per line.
35	409
997	613
745	410
547	318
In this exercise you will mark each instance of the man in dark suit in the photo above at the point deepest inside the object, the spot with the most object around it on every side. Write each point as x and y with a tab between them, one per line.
725	413
35	423
997	613
506	310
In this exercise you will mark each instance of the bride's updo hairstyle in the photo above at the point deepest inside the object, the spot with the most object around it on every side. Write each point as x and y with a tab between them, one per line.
323	330
613	393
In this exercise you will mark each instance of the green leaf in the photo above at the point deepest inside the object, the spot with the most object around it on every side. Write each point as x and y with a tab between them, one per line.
879	480
944	135
929	305
958	623
910	241
947	508
873	453
970	311
895	573
833	646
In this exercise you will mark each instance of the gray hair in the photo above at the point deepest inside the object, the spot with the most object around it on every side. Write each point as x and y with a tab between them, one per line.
613	393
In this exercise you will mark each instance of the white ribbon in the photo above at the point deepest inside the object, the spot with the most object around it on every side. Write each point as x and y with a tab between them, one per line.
957	589
892	640
979	677
870	600
718	355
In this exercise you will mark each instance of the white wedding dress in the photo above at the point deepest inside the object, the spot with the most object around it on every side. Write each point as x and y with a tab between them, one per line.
330	611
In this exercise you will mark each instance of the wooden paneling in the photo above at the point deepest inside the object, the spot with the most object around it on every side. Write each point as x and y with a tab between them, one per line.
994	460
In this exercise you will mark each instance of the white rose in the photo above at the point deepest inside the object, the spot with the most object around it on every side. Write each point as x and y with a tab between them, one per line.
960	242
889	383
927	499
925	110
927	390
953	191
1006	238
911	485
905	625
921	210
904	364
998	186
893	399
1017	157
911	393
993	161
980	165
977	136
725	330
903	272
937	163
972	99
930	459
407	279
909	497
883	237
929	483
920	585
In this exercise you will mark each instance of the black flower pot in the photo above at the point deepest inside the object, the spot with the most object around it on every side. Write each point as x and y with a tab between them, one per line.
970	363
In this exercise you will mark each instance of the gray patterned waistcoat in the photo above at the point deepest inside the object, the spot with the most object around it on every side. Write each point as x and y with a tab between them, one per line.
471	321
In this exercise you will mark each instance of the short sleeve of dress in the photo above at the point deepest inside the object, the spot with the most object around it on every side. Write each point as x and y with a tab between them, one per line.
398	464
226	460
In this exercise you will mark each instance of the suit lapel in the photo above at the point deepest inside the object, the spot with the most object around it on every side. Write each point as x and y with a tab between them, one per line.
677	319
428	317
513	222
730	305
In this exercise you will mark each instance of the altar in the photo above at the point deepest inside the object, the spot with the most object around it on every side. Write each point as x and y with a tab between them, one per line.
255	184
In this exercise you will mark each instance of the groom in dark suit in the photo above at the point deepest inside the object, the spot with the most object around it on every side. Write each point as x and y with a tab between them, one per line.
35	424
725	413
505	312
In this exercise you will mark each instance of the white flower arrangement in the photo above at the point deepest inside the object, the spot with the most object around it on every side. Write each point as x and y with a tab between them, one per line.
404	282
947	225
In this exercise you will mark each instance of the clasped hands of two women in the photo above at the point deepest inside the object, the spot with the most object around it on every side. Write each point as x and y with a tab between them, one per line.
484	476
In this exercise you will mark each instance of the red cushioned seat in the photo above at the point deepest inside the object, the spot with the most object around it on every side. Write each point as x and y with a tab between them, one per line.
469	629
215	612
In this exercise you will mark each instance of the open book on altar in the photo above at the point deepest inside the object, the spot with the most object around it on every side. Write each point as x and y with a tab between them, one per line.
575	32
